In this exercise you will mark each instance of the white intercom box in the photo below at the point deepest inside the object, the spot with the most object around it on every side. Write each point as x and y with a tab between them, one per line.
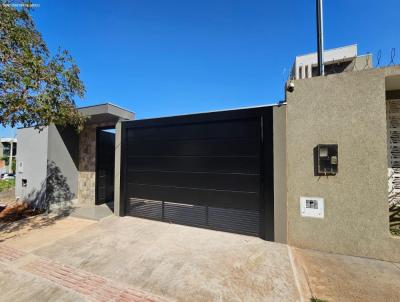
312	207
20	167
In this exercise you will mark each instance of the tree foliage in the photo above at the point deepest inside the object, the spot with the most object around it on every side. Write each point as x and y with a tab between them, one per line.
36	89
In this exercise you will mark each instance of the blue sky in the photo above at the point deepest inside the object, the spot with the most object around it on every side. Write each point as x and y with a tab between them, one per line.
171	57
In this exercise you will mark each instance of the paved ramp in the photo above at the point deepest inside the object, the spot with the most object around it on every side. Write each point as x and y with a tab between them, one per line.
179	263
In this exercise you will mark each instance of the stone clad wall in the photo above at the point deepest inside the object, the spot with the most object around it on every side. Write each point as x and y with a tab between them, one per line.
87	163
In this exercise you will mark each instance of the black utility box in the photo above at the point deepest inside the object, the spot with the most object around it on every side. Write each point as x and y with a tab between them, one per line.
326	159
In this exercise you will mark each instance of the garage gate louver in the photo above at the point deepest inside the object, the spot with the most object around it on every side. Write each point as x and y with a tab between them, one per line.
211	170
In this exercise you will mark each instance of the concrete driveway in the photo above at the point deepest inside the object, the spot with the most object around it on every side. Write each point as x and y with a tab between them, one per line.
175	262
131	259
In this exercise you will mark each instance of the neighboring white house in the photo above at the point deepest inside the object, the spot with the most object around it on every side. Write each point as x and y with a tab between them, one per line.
6	144
335	60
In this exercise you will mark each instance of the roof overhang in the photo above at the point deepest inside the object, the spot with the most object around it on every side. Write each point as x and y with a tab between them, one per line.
105	113
8	140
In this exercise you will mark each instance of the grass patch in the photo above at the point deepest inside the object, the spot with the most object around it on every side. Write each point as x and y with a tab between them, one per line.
317	300
7	184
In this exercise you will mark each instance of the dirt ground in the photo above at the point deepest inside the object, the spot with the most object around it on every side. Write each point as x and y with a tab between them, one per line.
7	196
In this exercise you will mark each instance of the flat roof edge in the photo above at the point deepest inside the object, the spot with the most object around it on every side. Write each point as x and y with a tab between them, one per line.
330	50
214	111
105	104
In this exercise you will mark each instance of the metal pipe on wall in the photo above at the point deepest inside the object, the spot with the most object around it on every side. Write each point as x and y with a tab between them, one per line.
320	37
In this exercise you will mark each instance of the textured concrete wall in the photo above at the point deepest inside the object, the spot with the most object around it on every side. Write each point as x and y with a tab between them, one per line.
32	152
347	109
360	63
87	163
280	209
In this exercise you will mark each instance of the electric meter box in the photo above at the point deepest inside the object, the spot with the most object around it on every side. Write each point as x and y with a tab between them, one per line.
326	160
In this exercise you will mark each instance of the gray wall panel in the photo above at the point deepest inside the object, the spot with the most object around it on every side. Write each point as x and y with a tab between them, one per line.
32	153
63	158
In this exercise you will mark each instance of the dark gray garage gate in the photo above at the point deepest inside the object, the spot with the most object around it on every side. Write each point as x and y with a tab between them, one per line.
212	170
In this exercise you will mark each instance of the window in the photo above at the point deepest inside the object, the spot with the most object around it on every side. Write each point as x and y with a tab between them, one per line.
300	72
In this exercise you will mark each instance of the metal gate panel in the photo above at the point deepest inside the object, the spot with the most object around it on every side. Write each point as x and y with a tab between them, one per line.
105	153
230	220
210	170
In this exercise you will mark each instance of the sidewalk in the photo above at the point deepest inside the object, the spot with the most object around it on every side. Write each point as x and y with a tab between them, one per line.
26	277
333	277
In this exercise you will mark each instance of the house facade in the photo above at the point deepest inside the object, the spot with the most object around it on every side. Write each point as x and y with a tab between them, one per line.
311	171
58	164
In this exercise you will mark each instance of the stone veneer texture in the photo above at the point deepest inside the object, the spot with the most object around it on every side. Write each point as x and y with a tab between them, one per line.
87	163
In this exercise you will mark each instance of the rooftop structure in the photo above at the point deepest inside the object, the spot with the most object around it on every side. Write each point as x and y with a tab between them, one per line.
336	60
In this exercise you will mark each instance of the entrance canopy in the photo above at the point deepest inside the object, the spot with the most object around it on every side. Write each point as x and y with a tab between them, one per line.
105	113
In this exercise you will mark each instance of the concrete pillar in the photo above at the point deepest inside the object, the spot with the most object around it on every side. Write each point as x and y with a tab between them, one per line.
118	206
280	189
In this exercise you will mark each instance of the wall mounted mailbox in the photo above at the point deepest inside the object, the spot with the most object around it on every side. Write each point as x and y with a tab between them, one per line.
326	160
